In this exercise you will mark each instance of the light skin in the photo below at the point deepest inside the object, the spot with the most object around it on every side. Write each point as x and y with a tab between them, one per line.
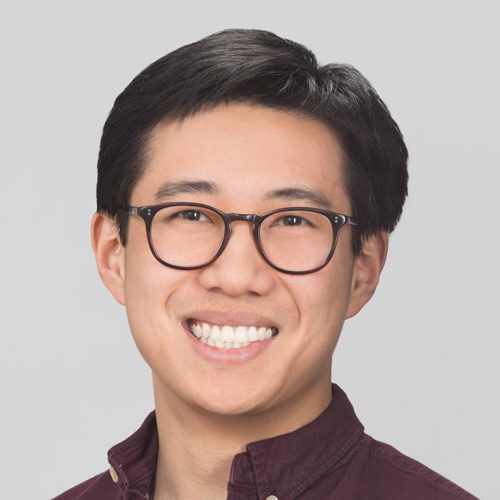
209	408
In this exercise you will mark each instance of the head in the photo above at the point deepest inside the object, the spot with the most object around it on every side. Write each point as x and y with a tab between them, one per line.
245	110
259	68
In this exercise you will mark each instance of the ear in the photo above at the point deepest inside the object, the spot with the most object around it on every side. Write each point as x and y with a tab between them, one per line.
109	254
366	272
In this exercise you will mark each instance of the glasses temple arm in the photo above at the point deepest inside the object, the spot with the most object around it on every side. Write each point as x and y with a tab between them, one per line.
131	210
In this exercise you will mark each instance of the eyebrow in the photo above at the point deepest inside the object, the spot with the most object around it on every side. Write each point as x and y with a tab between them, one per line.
169	188
173	188
314	196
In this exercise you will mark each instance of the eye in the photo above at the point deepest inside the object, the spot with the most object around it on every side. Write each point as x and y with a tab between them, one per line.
291	221
193	215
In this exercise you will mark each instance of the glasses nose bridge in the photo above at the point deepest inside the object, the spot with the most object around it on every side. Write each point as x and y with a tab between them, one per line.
245	217
252	218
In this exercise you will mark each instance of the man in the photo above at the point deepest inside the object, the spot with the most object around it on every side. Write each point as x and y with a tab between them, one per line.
244	198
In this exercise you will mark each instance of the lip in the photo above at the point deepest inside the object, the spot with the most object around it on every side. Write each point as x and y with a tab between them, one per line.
228	356
230	319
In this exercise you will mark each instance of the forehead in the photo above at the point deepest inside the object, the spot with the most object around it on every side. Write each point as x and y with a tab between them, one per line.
244	152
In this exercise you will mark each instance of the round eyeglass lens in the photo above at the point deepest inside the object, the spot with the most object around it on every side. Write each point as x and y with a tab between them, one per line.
187	236
297	240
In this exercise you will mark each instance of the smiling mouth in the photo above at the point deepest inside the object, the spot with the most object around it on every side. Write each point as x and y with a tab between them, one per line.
229	337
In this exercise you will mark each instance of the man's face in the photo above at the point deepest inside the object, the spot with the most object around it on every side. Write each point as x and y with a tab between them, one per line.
247	152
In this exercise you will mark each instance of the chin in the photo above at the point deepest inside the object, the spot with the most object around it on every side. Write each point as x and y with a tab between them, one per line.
234	399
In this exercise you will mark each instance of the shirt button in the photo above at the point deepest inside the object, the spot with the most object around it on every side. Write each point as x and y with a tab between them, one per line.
114	475
271	497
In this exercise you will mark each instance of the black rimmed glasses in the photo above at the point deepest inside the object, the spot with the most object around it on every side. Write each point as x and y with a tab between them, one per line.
188	236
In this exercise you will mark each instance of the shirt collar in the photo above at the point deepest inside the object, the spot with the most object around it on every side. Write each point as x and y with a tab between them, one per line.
284	465
134	460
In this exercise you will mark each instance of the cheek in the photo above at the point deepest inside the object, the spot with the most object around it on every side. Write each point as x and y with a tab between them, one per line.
324	297
143	284
148	283
148	288
142	298
321	300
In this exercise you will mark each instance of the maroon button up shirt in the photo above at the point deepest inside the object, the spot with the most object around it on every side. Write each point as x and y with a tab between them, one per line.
329	458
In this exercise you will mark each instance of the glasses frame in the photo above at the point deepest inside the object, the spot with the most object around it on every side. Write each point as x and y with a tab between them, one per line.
149	211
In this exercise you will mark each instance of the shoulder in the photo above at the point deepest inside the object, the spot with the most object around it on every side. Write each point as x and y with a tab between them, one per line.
133	462
391	474
100	487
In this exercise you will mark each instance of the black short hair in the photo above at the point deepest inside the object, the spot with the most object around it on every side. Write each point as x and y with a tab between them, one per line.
259	68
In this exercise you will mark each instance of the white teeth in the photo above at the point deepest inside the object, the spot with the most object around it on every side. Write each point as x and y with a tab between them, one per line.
241	335
228	337
206	330
262	333
227	334
253	334
197	331
215	333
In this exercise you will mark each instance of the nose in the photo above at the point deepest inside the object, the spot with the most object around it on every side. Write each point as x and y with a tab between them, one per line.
240	269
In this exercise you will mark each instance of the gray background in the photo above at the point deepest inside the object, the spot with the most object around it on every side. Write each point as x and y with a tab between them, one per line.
420	363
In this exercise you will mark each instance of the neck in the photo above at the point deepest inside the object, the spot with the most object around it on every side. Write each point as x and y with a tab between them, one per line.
197	447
